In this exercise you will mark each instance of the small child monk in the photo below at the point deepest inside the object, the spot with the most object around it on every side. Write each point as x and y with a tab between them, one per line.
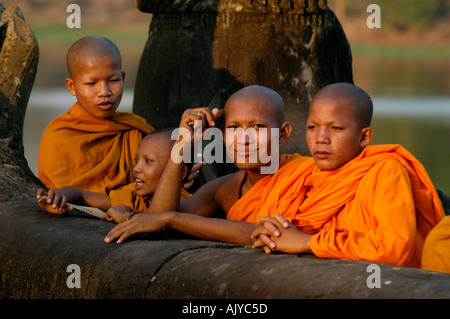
119	205
351	200
92	146
253	107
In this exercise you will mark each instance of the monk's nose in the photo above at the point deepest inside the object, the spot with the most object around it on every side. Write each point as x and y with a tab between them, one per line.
104	90
322	137
137	168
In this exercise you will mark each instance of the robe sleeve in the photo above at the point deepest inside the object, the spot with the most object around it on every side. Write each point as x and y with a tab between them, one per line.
378	225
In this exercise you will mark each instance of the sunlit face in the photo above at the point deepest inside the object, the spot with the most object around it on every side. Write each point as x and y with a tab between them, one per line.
150	160
248	132
333	134
98	85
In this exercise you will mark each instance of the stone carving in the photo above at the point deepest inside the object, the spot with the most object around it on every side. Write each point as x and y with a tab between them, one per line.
200	52
19	56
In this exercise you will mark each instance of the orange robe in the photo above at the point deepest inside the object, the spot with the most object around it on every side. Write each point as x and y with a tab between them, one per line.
127	196
90	153
380	206
436	251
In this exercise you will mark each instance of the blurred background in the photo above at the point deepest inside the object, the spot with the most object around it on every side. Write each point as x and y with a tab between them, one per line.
404	66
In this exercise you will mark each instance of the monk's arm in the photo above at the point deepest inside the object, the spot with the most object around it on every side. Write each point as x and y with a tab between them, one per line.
381	227
167	194
56	201
234	232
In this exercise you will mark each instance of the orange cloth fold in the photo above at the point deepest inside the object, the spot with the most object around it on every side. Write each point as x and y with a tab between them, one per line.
260	200
436	250
90	153
127	196
380	206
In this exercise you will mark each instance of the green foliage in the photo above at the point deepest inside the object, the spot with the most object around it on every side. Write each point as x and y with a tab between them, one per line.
404	14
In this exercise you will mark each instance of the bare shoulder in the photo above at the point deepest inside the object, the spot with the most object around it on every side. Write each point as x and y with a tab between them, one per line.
227	193
211	197
220	185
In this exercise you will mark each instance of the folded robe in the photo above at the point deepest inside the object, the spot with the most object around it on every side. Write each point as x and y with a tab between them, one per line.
380	206
436	250
127	196
90	153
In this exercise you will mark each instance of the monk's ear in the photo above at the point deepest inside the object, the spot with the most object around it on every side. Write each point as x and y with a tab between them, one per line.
70	86
285	132
123	76
366	136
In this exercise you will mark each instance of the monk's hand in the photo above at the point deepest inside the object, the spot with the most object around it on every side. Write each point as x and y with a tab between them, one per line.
278	234
55	202
118	214
195	171
261	236
195	121
204	114
139	223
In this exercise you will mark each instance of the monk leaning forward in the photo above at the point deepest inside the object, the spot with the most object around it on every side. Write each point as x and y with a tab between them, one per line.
253	108
120	204
350	200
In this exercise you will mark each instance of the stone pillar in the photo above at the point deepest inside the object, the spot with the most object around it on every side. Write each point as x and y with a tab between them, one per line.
200	52
19	56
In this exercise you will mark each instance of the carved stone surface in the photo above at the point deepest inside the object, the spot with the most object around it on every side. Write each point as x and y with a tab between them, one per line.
200	52
36	248
19	56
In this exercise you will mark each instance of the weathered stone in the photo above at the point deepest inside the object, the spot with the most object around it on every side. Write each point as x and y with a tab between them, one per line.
36	248
200	52
19	56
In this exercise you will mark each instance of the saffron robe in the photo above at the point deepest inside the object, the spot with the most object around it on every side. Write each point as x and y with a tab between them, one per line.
436	250
90	153
127	196
380	206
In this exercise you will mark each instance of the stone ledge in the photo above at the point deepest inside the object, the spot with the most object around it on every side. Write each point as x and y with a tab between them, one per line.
36	248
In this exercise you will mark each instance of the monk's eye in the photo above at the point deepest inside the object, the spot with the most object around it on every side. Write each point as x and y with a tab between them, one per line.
114	80
150	160
311	127
336	128
232	126
258	126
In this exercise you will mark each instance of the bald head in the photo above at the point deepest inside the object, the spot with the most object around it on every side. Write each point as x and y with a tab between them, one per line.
89	48
355	98
270	97
163	134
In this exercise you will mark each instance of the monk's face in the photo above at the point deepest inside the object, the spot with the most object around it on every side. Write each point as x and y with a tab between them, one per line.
248	127
98	85
150	161
334	135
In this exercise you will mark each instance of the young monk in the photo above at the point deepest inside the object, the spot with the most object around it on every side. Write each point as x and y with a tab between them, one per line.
92	146
350	200
254	107
151	159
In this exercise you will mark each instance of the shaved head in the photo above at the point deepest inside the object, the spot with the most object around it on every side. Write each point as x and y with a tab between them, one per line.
272	99
164	134
356	98
88	48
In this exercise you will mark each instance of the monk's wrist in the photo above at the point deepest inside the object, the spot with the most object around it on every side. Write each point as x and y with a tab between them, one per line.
170	219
